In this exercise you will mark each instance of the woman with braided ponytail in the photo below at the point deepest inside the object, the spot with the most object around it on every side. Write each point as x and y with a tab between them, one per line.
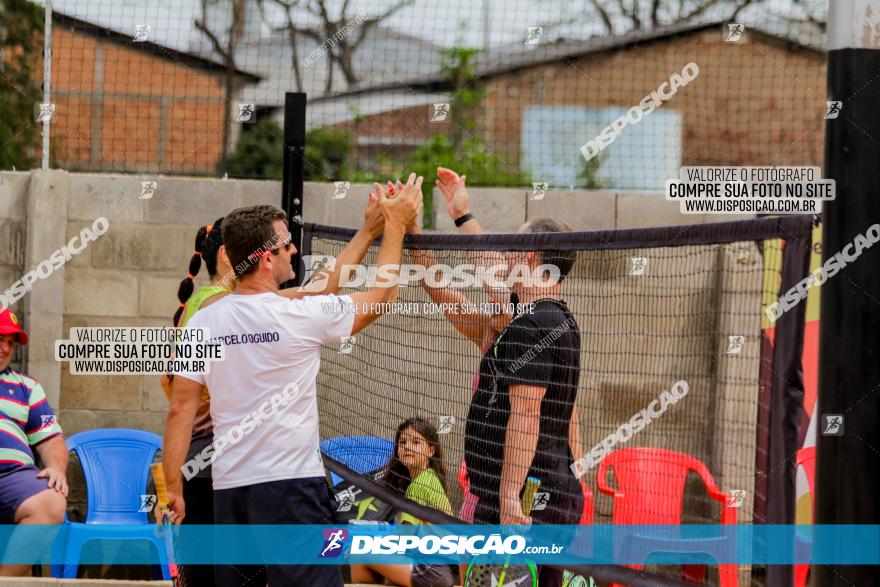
209	242
198	491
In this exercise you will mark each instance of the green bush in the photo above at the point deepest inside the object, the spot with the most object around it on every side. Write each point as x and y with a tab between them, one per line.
259	153
21	25
588	178
328	154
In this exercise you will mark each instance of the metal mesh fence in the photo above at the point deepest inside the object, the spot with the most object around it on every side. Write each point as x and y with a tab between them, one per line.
511	93
648	317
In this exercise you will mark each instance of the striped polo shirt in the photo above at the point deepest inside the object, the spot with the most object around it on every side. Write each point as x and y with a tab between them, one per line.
26	419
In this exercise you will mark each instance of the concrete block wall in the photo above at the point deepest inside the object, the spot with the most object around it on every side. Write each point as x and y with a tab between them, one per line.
504	210
130	275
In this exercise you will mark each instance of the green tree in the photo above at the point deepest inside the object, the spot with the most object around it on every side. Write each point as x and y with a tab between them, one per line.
588	178
471	158
328	155
462	149
458	69
21	42
259	153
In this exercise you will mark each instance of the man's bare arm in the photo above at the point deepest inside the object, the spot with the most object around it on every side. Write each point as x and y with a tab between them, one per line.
520	444
452	186
473	326
574	435
54	455
399	212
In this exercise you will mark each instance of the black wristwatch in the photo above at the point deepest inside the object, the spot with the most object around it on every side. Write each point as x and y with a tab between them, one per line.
464	218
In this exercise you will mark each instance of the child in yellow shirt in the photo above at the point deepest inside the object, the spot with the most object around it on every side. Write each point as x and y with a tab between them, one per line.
416	470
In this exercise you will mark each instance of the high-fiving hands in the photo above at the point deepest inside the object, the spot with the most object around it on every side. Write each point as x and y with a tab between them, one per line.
401	207
414	227
374	220
452	187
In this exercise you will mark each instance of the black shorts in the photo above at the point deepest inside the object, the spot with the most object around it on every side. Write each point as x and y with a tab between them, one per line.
198	495
289	501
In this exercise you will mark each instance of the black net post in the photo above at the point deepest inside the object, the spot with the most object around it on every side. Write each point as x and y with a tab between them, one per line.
847	483
294	165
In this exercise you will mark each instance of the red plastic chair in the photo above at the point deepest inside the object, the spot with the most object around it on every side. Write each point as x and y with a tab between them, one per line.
806	458
650	491
587	514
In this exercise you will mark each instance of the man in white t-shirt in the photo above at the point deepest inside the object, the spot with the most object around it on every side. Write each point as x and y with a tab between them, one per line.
267	466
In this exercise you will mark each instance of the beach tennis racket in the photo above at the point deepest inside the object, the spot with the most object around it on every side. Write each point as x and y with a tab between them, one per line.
167	527
507	575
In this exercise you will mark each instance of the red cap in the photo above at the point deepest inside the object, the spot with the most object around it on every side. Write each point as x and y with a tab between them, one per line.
9	325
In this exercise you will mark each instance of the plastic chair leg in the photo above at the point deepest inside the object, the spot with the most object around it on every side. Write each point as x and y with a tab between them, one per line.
72	554
728	575
56	569
75	546
800	575
694	573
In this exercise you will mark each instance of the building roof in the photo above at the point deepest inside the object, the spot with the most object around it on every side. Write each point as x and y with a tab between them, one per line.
385	55
163	51
515	57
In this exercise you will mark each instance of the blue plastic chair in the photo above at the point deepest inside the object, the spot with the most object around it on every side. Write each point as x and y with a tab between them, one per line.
116	465
361	453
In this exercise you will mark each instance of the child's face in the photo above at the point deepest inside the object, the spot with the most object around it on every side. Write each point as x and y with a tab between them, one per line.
413	450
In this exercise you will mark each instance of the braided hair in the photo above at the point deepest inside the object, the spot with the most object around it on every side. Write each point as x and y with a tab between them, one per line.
208	241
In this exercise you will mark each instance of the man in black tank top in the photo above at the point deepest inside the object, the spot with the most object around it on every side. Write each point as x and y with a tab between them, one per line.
554	367
522	420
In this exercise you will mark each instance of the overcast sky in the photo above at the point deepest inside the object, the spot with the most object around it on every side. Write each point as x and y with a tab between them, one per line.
444	22
448	22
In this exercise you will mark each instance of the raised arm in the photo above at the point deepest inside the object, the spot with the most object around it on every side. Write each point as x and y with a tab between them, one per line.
474	326
326	281
398	212
452	186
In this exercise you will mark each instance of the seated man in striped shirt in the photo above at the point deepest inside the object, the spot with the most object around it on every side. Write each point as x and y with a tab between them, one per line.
27	495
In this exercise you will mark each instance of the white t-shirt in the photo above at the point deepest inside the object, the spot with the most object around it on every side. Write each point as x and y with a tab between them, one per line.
270	342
